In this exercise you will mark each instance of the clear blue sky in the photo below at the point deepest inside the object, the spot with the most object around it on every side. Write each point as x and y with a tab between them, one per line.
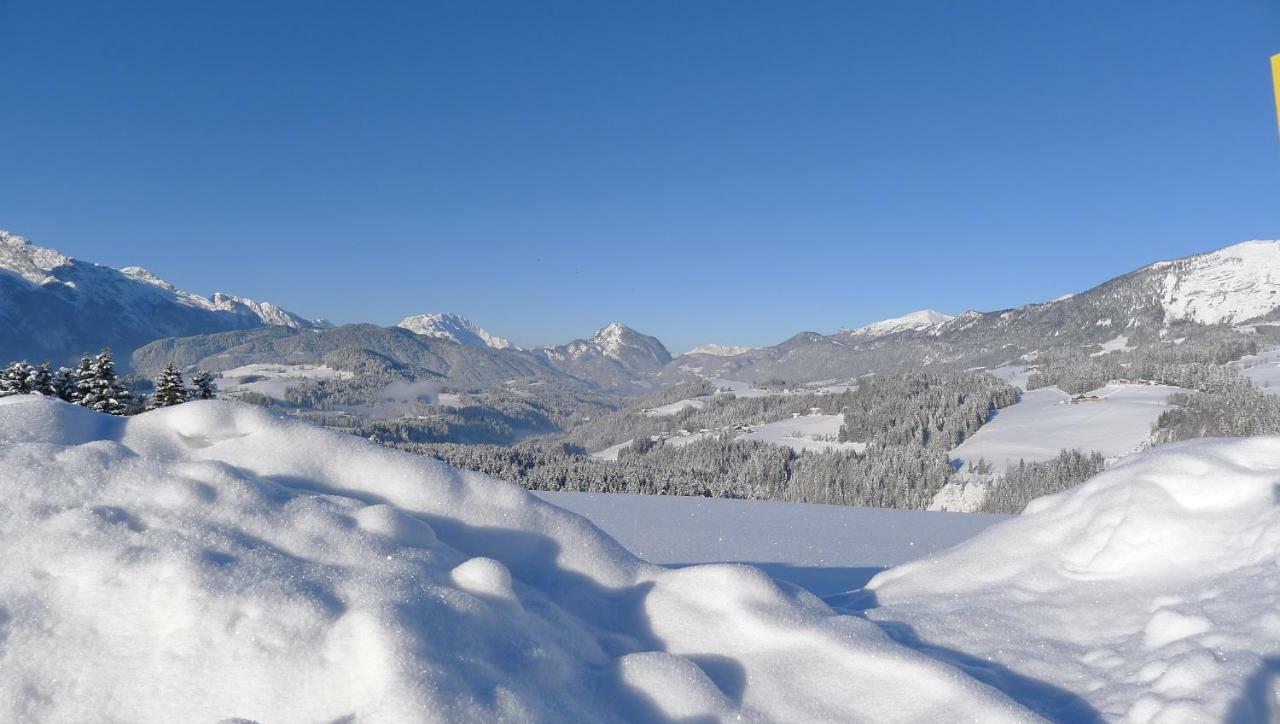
703	171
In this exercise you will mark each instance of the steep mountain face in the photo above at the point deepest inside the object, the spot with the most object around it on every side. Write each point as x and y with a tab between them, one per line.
914	322
1175	299
616	356
454	328
54	307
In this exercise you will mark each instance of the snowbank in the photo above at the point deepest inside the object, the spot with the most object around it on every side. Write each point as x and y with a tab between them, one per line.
1149	594
211	561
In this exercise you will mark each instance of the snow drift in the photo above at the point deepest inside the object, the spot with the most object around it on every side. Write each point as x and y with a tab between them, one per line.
213	561
1149	594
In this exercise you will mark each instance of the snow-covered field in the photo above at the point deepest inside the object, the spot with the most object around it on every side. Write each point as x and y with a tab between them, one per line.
828	549
1042	423
676	407
817	433
212	561
1263	368
274	380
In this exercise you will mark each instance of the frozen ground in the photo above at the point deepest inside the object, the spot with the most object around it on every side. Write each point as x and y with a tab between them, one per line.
274	380
817	433
828	549
1043	423
212	561
1149	594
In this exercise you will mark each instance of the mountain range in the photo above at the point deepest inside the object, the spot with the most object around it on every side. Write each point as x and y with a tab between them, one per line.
55	307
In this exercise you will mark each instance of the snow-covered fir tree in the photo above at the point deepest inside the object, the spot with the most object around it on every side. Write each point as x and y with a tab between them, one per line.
98	388
170	389
203	386
62	384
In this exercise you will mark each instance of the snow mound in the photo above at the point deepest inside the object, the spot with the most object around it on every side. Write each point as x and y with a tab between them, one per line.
212	561
1148	594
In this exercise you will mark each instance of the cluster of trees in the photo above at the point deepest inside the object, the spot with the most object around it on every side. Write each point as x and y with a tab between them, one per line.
908	422
1024	482
95	384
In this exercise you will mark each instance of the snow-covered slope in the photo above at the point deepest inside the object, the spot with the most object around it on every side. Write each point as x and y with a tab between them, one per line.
1229	285
212	562
454	328
1149	594
720	350
55	307
915	322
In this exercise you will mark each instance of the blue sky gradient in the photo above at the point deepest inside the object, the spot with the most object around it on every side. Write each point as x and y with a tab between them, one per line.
702	171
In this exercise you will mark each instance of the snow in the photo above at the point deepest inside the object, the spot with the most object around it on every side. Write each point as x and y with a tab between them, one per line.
1111	345
212	561
611	453
1229	285
720	350
274	380
827	549
1263	368
816	433
453	328
676	407
1148	594
1015	375
739	388
915	321
1043	423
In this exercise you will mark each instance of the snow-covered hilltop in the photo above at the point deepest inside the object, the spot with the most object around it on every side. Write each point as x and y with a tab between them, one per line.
1234	284
454	328
55	307
229	564
913	322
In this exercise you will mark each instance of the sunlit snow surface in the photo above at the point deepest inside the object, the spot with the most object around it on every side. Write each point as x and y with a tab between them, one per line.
828	549
1045	422
212	561
1149	594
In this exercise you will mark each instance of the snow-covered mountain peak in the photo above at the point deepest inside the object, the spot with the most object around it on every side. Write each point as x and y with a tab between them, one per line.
612	338
454	328
720	350
915	321
29	261
1233	284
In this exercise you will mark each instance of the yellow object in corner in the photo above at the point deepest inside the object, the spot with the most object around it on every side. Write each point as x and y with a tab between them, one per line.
1275	78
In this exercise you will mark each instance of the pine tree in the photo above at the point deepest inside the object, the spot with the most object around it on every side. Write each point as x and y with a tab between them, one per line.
40	380
170	389
99	389
63	384
81	374
203	385
11	380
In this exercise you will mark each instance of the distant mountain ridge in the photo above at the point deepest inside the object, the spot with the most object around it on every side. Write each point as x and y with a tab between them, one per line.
54	307
455	328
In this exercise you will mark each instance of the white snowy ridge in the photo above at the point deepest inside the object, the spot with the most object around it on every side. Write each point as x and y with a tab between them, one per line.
35	264
720	350
915	321
454	328
212	561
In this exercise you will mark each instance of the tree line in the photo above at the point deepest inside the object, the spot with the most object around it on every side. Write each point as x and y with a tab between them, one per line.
95	384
